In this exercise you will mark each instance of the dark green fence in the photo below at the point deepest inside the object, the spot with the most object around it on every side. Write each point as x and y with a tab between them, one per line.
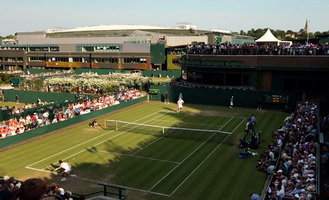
16	81
7	142
221	97
169	73
32	96
39	71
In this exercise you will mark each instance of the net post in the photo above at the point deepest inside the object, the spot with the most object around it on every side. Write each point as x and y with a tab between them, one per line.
105	124
116	126
163	130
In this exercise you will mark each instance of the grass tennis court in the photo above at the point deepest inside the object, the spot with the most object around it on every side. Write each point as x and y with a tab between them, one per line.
152	166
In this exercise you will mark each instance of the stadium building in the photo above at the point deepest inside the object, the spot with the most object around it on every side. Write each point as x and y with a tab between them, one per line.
145	47
130	47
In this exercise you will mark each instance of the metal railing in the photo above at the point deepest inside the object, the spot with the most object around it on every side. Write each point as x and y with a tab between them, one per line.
105	192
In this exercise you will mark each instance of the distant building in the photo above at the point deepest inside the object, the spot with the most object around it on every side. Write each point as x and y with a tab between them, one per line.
135	47
292	36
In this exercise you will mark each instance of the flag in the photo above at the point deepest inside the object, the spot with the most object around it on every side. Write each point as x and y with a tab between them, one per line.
306	29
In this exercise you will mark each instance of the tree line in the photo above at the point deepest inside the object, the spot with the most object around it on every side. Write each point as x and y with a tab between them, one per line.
283	35
7	37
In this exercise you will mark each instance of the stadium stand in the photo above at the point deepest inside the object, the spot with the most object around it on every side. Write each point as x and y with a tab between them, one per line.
21	122
291	159
256	49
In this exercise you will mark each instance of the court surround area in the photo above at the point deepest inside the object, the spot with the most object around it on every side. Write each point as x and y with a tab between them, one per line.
196	159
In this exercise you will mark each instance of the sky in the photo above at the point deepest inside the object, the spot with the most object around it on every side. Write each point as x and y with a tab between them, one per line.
234	15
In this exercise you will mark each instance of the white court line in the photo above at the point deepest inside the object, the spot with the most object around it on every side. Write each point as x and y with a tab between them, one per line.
90	180
184	122
131	155
226	124
69	149
85	142
40	170
204	160
113	137
28	167
221	127
181	162
149	144
239	124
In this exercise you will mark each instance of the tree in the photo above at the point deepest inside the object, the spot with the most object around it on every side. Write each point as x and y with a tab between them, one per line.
251	32
10	37
280	34
290	32
259	32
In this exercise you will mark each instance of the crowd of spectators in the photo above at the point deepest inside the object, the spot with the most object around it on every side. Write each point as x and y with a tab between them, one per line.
32	189
43	74
12	71
259	49
20	124
291	158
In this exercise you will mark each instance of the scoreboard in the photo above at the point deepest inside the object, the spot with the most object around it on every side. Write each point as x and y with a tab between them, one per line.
153	91
278	99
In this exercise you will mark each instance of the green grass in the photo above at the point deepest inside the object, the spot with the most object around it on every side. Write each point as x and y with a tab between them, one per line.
152	167
10	104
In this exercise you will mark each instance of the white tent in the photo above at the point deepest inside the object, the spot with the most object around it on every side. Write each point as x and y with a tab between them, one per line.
268	37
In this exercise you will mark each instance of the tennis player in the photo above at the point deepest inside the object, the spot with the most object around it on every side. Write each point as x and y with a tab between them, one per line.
67	168
180	103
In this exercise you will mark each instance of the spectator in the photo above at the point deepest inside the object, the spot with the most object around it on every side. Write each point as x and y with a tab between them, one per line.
24	124
254	196
259	49
32	189
297	165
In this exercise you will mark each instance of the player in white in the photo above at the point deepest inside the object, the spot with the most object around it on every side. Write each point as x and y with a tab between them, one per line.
231	102
180	103
67	169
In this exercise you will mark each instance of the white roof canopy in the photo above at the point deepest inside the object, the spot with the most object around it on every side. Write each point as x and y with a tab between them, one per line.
268	37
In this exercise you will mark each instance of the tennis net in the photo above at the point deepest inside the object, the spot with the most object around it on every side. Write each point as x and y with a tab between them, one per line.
164	131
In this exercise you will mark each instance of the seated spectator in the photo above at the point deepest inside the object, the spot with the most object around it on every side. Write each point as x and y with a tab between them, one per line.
60	117
270	169
32	189
54	120
77	111
254	196
243	144
24	124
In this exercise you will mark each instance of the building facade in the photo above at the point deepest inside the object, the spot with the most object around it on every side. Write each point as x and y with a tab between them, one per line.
112	47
